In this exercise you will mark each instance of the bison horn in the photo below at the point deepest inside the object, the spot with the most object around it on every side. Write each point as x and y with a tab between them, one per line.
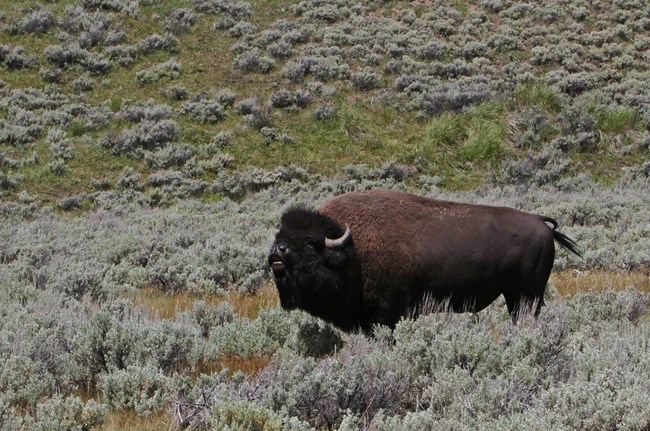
342	241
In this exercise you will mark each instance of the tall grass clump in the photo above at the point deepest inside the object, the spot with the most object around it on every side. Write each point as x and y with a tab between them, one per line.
542	96
446	129
616	120
480	134
485	141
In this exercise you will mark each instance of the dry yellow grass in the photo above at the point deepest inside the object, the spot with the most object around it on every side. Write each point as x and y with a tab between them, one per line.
570	282
248	365
165	306
120	420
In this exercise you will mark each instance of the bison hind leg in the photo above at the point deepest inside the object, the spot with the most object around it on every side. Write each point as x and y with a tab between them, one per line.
520	305
525	291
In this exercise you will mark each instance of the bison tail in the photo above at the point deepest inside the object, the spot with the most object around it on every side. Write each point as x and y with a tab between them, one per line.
562	239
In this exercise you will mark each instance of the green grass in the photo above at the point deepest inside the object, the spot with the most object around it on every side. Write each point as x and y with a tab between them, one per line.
479	134
484	142
537	95
617	120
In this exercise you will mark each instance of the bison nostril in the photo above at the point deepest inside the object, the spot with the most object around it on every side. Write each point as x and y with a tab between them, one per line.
279	249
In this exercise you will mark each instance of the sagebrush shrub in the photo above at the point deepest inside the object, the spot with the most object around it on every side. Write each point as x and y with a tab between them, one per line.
160	73
66	56
7	182
143	110
37	22
68	413
175	92
180	20
129	179
223	139
254	61
78	288
50	74
205	110
58	166
157	42
254	115
15	58
365	79
168	156
123	54
60	145
146	135
140	389
324	112
285	99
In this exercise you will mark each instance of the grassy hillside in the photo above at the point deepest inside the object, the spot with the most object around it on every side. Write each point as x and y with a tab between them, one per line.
191	91
148	149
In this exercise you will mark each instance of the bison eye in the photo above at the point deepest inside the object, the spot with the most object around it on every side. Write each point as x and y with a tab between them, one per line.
314	244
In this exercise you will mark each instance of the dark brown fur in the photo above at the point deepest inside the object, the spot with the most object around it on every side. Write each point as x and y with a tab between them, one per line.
405	247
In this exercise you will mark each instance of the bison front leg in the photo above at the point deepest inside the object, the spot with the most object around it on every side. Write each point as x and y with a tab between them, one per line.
379	314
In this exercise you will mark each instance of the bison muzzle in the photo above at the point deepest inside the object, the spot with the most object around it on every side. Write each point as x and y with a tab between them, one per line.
367	258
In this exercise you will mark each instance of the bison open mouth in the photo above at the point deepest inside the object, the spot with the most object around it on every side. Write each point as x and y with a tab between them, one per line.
277	266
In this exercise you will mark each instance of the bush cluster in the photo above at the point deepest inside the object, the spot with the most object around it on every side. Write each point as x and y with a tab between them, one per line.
66	56
157	42
60	145
146	135
36	21
168	156
180	20
579	76
449	371
204	110
15	57
29	112
472	59
139	110
287	99
254	115
159	73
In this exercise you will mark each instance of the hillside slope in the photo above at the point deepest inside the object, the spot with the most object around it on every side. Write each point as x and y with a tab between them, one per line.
176	99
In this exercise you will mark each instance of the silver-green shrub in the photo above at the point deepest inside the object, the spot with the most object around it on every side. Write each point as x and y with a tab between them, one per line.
69	413
456	371
15	58
159	73
146	135
61	279
180	20
204	110
37	22
156	42
168	156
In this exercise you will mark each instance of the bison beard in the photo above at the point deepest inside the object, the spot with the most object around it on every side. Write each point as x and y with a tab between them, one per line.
368	258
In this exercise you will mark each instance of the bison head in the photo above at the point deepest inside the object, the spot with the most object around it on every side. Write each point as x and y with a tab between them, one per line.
314	265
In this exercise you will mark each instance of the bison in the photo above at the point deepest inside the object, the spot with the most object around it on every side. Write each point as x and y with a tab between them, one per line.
367	258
